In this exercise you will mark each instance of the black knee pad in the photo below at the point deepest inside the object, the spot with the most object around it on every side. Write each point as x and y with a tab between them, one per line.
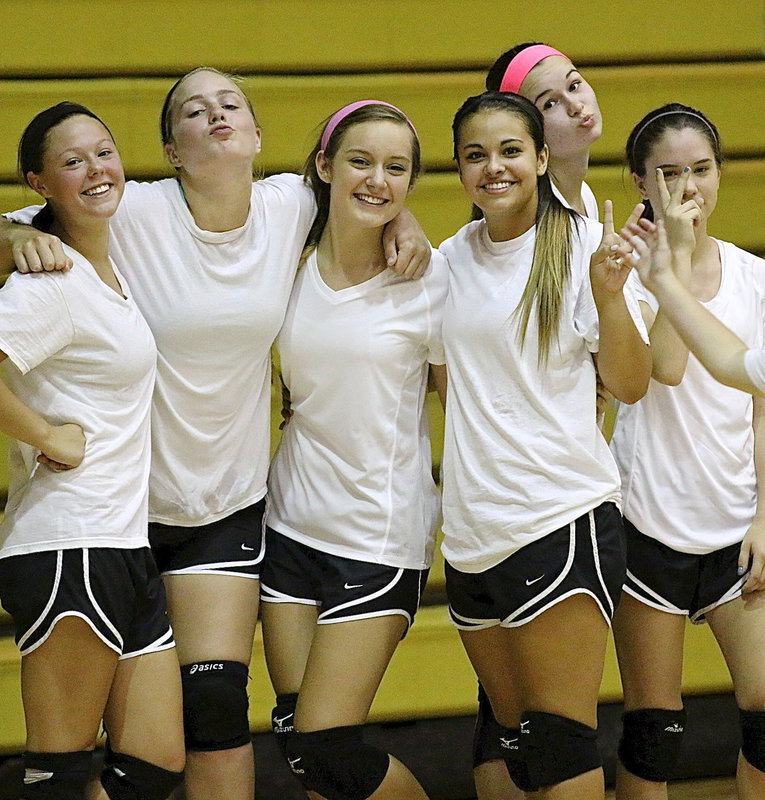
56	776
753	737
215	705
337	763
283	719
556	749
488	733
128	778
651	741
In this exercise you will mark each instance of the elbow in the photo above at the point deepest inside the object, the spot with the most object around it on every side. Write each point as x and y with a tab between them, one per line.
631	394
668	377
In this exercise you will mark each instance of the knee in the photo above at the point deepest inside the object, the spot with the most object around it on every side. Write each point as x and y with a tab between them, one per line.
336	763
651	741
56	776
753	737
283	719
215	705
554	749
128	778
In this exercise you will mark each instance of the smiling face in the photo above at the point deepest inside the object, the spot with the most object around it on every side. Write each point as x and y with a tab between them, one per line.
370	173
210	121
674	150
568	104
81	175
499	167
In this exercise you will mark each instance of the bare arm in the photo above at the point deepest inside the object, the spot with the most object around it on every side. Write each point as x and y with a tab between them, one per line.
61	446
27	249
407	249
752	555
624	359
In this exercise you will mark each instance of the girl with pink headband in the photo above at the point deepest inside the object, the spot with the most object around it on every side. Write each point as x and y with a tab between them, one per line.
353	507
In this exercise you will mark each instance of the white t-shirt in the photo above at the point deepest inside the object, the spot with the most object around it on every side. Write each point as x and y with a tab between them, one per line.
215	302
352	475
754	364
78	352
523	453
685	452
588	198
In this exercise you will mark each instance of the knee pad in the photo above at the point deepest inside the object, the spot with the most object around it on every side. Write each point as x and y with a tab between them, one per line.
56	776
215	705
128	778
488	733
337	763
283	719
556	749
753	737
650	743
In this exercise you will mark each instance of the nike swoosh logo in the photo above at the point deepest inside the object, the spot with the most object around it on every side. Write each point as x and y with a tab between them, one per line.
353	585
529	583
244	547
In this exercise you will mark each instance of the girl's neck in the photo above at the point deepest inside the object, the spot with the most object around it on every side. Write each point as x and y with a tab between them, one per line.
92	242
503	227
217	202
350	255
568	175
706	267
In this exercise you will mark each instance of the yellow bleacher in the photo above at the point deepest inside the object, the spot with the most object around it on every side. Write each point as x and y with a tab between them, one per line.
300	60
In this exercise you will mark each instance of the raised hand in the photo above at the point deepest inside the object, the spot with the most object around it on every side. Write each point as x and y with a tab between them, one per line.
679	217
608	267
647	250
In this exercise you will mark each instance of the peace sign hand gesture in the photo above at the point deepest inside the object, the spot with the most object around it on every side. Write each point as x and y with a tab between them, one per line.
608	267
679	217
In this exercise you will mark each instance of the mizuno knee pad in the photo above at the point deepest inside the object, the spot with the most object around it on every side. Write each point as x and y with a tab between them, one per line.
650	743
488	733
753	737
56	776
215	705
337	763
283	719
128	778
556	749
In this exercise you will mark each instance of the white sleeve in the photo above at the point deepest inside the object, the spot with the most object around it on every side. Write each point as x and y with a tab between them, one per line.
24	215
288	188
754	364
35	322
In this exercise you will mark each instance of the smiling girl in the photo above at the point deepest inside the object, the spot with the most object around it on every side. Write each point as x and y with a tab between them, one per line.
532	528
690	454
353	506
76	572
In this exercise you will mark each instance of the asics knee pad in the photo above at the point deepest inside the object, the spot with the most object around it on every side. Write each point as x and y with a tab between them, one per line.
215	705
753	737
56	776
283	719
128	778
650	743
556	749
337	763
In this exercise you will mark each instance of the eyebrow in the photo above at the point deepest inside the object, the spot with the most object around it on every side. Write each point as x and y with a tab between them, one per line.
219	93
542	94
367	153
695	163
504	141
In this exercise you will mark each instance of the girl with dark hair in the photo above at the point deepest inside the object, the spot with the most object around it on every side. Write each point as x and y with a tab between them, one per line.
76	572
690	454
352	503
532	527
573	123
211	256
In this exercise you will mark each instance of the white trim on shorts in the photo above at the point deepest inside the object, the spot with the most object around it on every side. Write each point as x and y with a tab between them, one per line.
282	597
165	642
661	604
734	592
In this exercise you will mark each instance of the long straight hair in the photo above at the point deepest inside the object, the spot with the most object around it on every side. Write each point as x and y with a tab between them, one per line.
551	264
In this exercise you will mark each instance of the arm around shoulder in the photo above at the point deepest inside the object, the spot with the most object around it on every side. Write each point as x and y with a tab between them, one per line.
28	249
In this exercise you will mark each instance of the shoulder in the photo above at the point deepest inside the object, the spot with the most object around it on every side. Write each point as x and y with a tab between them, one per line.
461	240
285	187
142	198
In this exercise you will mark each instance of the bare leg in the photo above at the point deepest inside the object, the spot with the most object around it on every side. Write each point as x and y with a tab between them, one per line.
739	627
535	667
492	782
214	618
649	646
345	666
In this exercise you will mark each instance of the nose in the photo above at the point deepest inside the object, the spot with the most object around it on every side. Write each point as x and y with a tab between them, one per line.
691	189
376	176
95	166
494	164
575	108
217	112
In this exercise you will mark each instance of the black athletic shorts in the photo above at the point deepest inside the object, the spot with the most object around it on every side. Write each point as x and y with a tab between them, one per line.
343	589
689	584
117	592
230	546
584	557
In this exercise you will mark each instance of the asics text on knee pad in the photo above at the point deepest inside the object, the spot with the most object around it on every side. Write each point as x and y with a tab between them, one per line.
56	776
337	763
651	741
215	705
556	749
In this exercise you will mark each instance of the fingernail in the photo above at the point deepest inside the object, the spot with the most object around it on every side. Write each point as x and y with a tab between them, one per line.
658	170
613	247
620	261
686	169
740	570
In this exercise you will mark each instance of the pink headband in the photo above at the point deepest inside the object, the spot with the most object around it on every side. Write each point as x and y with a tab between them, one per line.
345	111
523	63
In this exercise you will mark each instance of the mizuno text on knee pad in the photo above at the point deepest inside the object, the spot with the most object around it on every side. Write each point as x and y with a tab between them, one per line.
556	749
337	763
56	776
753	738
283	719
651	741
128	778
215	705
